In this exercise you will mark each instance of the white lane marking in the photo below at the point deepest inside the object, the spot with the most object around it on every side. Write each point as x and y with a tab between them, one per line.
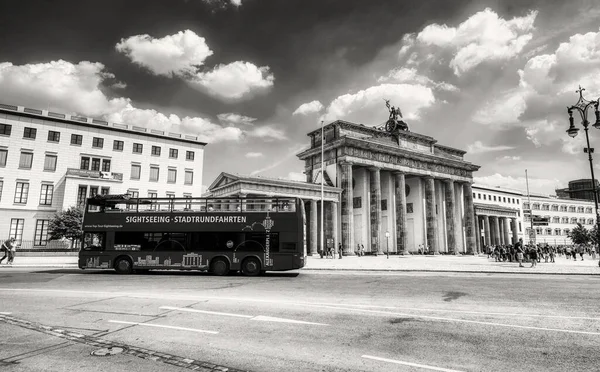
260	318
164	326
388	313
243	299
204	311
410	364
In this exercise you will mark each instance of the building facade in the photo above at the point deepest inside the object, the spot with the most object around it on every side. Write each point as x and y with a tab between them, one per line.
580	189
51	161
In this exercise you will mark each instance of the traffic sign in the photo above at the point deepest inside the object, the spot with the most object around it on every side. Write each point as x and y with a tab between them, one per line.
531	234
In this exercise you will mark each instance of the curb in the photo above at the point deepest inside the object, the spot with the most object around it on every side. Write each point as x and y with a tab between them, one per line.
445	271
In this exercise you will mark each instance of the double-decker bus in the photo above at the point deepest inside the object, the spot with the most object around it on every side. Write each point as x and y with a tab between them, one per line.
223	235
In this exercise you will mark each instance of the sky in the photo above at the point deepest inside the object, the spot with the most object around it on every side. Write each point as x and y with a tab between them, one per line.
253	77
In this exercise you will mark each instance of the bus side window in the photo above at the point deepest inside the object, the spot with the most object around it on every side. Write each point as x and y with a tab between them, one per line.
93	241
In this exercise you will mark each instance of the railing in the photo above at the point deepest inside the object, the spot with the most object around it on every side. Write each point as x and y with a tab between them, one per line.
144	205
94	174
48	246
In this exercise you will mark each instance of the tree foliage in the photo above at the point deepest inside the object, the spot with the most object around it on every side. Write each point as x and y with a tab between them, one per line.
595	235
67	225
580	235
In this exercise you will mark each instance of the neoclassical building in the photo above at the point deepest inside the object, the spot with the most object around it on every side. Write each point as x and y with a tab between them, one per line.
387	190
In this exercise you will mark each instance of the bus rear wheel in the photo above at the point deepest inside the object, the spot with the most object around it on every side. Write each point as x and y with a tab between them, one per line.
219	267
123	266
251	266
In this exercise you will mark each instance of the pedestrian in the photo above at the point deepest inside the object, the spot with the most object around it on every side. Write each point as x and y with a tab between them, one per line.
340	250
362	250
533	256
12	253
581	251
520	254
552	254
7	249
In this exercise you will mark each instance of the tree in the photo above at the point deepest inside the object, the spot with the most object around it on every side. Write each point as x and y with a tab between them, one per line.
67	225
580	235
595	236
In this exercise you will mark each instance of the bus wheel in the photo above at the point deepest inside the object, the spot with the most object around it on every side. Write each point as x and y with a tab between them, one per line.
251	266
219	267
123	266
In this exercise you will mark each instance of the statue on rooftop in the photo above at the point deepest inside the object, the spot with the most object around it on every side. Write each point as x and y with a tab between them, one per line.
394	122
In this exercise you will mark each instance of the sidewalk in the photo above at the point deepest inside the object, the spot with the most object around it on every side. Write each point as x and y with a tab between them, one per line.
416	263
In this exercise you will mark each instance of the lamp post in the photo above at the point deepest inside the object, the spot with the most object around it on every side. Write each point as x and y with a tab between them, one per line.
387	244
582	107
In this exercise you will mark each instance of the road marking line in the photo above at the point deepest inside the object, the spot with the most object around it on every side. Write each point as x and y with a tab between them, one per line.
458	320
410	364
164	326
260	318
204	311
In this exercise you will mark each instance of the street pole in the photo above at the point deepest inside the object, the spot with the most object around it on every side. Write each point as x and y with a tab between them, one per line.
532	231
387	244
589	151
322	177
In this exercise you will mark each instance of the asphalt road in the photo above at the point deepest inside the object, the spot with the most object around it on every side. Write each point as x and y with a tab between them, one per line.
309	321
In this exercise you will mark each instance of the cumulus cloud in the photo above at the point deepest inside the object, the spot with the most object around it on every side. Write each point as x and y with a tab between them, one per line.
234	81
367	104
77	88
503	110
309	108
411	76
267	133
254	154
478	147
296	176
483	37
177	54
509	158
235	119
519	183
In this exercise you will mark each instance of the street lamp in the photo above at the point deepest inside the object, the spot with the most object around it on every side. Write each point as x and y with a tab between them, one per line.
387	245
582	107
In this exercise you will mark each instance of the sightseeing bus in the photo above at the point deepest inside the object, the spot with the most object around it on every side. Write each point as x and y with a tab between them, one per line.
218	235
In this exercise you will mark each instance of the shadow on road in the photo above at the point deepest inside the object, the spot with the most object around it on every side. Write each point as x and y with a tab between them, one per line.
291	274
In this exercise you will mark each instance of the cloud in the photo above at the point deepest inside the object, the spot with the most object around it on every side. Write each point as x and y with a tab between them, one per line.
367	104
235	119
509	158
308	108
503	110
411	76
292	153
267	133
296	176
254	154
78	88
478	148
519	183
233	82
177	54
483	37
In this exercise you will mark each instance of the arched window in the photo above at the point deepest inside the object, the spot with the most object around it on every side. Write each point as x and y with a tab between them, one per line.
555	219
535	206
580	209
557	231
567	231
588	210
582	221
555	207
565	220
548	231
573	219
563	208
538	230
590	221
545	207
572	209
525	205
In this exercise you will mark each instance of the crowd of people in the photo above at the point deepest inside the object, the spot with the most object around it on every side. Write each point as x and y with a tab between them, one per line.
535	253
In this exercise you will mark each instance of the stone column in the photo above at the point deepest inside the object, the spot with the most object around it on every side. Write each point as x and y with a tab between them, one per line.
334	223
450	220
469	218
401	214
303	211
497	230
477	235
501	225
375	214
313	227
486	230
515	230
347	209
506	231
430	215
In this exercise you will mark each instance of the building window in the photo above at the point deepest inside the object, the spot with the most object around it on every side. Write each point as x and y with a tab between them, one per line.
478	196
21	193
580	209
188	201
189	177
53	136
85	163
557	231
137	148
29	133
565	220
3	157
156	150
172	176
41	232
504	199
574	220
81	195
587	210
173	153
572	209
95	164
356	202
189	155
76	139
563	208
105	190
118	145
5	129
135	171
16	228
134	195
1	187
153	195
525	205
554	208
555	219
50	163
484	197
384	204
46	194
535	206
26	160
98	142
153	173
409	207
494	197
105	165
